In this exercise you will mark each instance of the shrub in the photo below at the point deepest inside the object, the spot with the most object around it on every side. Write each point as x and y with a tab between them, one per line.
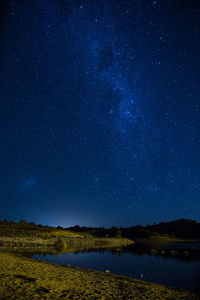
60	244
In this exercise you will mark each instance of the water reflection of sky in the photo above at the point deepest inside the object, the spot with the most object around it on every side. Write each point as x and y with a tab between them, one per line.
167	271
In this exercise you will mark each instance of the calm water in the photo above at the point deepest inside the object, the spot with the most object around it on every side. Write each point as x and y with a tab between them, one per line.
170	271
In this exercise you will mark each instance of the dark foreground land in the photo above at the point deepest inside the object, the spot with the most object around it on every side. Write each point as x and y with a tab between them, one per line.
25	278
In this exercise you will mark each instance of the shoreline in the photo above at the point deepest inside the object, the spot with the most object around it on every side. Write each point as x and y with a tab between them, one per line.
24	278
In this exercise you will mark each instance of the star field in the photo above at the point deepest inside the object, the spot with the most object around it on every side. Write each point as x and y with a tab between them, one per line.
99	111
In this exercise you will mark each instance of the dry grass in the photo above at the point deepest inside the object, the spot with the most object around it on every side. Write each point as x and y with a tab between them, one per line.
44	238
61	233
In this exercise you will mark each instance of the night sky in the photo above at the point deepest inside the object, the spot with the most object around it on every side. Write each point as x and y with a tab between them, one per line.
99	111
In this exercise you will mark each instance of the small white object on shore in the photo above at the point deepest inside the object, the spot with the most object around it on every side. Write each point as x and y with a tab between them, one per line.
141	276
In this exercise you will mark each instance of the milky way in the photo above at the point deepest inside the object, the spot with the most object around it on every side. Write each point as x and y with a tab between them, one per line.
99	111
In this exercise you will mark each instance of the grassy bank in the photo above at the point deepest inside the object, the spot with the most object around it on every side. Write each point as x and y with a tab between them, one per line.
24	278
26	238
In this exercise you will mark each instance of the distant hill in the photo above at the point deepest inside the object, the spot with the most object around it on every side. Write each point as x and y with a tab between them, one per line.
178	229
181	229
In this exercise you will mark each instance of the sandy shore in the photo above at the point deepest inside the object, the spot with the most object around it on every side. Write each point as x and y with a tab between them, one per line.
25	278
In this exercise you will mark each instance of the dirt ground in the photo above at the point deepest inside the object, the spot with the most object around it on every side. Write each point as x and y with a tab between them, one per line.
25	278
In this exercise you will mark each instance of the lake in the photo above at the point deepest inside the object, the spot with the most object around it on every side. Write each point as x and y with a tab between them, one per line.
178	270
